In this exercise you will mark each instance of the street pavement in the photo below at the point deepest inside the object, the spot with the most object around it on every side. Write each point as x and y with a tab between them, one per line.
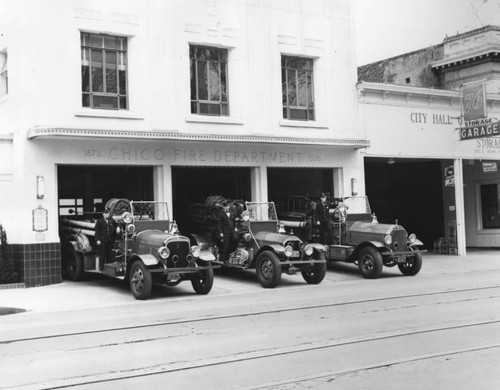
98	291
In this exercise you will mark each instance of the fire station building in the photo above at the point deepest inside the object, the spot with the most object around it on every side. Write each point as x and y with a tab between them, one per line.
169	100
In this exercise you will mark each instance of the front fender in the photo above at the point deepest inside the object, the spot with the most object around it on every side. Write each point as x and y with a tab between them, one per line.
317	246
206	255
147	259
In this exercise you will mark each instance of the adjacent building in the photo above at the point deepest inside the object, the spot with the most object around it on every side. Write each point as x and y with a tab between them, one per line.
432	118
175	100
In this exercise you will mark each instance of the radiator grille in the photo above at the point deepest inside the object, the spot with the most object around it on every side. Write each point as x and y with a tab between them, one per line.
399	237
179	251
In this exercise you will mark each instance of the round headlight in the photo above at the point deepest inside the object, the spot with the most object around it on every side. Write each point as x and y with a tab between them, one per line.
163	252
412	238
388	239
308	250
288	251
247	237
195	251
245	215
128	218
130	229
326	248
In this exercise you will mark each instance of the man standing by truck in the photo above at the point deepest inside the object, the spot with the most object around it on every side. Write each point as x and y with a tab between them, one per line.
325	220
105	235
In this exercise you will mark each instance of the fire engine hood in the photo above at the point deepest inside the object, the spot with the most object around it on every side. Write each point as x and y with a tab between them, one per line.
264	238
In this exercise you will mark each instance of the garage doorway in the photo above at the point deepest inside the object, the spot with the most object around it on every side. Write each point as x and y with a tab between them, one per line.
409	190
85	189
192	185
288	187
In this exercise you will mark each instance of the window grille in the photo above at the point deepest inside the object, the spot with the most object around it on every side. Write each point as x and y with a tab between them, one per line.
104	71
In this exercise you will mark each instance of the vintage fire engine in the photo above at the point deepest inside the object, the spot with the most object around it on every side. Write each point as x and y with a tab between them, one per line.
149	249
261	243
360	239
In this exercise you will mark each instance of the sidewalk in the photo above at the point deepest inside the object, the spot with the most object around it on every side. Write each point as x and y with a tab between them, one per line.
99	291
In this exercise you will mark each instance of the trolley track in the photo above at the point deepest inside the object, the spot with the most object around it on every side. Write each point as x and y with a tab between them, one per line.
298	350
144	372
248	314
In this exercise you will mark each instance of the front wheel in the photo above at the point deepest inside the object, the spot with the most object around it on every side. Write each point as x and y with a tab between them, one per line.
141	281
74	264
268	269
412	266
203	281
314	274
370	263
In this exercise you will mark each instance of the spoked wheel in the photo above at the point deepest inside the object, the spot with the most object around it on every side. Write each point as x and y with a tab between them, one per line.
74	264
203	281
370	263
314	274
412	266
268	269
141	281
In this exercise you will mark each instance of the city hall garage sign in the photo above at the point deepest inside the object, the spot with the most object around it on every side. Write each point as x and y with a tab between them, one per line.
480	128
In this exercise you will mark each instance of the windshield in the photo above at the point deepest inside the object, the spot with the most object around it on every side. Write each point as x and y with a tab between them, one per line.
357	205
262	211
153	211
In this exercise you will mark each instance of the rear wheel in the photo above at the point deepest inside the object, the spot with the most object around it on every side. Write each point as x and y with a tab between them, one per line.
412	266
268	269
203	281
74	264
141	281
370	263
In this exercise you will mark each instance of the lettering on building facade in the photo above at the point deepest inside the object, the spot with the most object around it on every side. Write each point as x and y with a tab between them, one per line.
201	156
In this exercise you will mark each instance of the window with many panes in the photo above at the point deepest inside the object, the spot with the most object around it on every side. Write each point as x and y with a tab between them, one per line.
104	71
208	81
4	74
490	200
297	88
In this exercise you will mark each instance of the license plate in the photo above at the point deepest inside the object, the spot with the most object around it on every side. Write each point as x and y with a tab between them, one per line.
295	254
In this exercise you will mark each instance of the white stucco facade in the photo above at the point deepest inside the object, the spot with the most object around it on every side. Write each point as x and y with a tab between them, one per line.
43	123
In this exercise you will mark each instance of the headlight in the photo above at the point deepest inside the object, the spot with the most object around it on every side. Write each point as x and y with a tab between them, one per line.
128	218
412	238
245	215
247	237
388	239
308	250
288	251
195	251
130	229
326	248
163	252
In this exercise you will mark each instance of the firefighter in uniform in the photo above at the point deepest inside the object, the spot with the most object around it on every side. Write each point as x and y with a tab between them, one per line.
105	235
325	220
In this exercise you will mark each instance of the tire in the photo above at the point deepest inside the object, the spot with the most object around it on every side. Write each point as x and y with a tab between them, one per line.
203	281
141	281
74	264
413	266
314	274
370	263
268	269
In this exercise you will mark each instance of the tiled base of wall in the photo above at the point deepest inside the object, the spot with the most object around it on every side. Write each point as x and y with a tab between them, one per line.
38	264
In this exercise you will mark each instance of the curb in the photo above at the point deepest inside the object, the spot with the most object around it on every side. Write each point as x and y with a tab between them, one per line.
12	285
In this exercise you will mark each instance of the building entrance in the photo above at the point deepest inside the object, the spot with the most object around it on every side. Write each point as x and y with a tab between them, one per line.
193	185
86	189
410	191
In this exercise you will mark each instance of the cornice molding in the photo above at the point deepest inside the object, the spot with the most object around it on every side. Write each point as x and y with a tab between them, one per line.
50	132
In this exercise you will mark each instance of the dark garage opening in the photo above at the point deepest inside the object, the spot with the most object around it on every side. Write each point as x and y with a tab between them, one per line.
195	184
80	187
409	191
287	187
